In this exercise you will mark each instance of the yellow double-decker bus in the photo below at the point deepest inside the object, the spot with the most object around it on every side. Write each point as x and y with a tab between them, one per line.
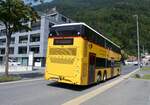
77	54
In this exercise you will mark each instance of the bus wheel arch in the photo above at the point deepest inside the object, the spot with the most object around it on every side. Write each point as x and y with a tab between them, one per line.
105	76
118	70
98	77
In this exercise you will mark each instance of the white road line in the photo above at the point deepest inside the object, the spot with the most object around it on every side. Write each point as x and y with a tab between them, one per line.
89	95
21	81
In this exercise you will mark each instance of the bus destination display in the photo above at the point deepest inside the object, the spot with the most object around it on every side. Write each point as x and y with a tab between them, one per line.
63	41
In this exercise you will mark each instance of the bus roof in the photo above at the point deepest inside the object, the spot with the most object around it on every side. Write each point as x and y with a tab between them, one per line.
81	23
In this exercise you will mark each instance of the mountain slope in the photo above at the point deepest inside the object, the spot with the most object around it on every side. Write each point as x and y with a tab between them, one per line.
113	18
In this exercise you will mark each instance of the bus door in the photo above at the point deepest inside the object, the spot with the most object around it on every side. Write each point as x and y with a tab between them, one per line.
91	70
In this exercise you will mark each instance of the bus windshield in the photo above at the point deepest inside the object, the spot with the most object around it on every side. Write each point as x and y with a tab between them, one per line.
64	31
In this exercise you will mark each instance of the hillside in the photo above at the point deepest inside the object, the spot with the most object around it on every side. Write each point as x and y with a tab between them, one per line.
113	18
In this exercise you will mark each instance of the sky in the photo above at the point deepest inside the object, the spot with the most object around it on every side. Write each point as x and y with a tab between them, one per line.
48	0
27	1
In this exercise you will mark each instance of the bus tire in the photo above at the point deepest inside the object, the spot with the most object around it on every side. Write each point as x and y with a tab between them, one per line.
105	76
118	72
98	78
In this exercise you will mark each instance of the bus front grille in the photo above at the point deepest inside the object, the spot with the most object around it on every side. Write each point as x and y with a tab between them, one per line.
62	51
62	60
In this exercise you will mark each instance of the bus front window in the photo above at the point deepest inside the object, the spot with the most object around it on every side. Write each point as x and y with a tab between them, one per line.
64	32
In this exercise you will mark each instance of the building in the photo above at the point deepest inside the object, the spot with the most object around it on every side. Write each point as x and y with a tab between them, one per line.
146	59
32	41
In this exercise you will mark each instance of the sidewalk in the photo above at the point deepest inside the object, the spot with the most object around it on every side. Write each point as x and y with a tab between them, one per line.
143	72
131	91
37	72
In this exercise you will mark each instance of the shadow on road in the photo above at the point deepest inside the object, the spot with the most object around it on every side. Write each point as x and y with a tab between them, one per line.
77	87
29	75
125	70
70	86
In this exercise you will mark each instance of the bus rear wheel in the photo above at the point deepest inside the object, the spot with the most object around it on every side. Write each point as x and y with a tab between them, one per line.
118	72
105	77
98	78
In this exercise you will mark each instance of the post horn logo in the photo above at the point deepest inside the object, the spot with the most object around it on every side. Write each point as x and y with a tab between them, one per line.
90	46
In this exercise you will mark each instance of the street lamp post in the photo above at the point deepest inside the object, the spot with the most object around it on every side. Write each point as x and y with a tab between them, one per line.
138	42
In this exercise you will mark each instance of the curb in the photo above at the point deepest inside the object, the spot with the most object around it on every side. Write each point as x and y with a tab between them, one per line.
80	99
21	81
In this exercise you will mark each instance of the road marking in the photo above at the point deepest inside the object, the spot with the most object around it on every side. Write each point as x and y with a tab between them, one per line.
21	81
89	95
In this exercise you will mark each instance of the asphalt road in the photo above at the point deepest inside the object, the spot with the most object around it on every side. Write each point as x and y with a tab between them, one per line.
128	92
41	92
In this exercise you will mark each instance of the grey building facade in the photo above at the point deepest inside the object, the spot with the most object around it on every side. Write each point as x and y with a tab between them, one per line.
32	41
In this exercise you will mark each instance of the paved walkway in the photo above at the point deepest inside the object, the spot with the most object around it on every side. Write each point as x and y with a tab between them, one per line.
29	74
130	92
143	72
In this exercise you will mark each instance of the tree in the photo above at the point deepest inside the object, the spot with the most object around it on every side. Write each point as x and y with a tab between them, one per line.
112	18
32	2
12	14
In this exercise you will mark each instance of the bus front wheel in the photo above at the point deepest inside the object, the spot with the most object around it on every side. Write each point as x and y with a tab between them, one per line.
99	77
105	77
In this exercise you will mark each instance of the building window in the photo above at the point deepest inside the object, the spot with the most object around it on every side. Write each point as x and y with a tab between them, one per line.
25	21
24	30
53	17
69	21
2	41
1	60
2	50
23	39
11	50
12	41
50	24
22	50
3	32
64	19
36	25
35	49
35	37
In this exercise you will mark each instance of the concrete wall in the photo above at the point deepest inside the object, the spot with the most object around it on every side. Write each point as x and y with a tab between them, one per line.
15	68
43	31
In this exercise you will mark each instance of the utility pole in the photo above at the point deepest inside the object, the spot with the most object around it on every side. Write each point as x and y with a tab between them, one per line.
143	50
138	42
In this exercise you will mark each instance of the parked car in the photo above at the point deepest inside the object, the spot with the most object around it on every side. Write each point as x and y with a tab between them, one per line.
129	62
135	63
14	63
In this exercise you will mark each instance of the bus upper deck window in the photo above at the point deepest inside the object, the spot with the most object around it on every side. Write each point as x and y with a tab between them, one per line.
50	34
78	33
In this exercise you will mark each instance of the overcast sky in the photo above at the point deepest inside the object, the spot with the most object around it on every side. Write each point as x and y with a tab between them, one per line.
48	0
27	1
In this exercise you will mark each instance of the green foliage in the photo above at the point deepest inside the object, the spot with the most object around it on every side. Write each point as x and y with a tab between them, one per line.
145	68
113	18
9	78
137	76
12	14
141	76
146	76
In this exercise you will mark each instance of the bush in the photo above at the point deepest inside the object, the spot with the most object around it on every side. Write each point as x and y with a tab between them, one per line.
137	76
146	76
145	68
9	78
